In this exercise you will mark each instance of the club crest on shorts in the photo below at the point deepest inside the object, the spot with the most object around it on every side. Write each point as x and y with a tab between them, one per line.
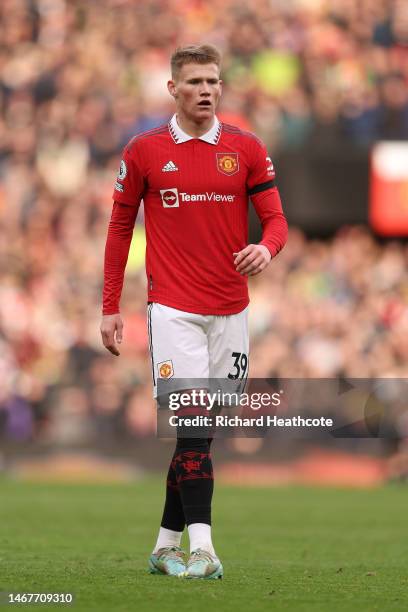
165	369
227	163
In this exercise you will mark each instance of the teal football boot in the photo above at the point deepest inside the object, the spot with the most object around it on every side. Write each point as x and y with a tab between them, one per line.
202	564
168	561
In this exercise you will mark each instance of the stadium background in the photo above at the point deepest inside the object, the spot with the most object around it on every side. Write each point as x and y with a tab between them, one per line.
321	82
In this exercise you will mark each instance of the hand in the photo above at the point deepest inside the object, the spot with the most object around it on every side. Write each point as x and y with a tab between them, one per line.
252	260
111	331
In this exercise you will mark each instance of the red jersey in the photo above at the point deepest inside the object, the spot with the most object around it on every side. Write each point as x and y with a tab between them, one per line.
195	193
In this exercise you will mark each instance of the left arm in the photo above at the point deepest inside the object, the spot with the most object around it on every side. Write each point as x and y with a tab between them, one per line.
265	197
255	257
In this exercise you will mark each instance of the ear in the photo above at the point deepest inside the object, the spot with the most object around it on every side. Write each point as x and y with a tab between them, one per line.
171	86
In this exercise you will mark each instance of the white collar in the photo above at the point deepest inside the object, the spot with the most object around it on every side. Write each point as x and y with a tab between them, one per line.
179	136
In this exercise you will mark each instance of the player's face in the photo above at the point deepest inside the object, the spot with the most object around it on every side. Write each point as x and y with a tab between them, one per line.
197	90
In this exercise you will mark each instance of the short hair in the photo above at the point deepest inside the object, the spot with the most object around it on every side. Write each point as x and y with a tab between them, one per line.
194	54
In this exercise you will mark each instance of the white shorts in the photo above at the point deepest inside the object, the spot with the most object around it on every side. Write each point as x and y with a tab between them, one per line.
184	345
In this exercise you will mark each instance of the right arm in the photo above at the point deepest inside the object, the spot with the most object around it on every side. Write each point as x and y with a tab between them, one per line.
127	195
118	241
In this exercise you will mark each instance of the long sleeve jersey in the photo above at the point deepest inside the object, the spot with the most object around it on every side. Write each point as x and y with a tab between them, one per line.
195	193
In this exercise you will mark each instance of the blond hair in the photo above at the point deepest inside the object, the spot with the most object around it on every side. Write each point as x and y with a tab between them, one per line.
194	54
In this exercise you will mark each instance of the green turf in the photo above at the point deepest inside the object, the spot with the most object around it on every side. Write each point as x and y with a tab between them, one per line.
282	549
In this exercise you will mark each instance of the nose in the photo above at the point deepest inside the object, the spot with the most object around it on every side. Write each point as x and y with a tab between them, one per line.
205	89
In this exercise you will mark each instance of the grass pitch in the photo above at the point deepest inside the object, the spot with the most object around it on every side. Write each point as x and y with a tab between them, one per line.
293	549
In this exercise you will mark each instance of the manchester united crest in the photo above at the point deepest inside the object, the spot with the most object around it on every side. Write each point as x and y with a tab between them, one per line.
227	163
165	369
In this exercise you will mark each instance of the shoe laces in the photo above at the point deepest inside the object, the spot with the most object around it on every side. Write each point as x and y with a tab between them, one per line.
200	555
172	552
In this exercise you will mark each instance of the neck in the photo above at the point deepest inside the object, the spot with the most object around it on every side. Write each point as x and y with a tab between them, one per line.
192	128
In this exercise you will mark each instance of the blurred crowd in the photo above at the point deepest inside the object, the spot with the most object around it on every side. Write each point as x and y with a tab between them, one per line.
78	78
322	309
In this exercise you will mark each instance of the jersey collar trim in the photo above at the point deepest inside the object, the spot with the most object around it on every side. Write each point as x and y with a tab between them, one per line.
179	136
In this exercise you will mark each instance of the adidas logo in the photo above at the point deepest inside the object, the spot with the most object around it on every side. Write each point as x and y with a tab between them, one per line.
169	167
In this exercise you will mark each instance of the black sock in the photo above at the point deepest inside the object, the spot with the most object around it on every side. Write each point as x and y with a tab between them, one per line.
194	473
173	515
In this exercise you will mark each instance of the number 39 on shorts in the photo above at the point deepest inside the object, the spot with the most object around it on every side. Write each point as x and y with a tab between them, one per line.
239	366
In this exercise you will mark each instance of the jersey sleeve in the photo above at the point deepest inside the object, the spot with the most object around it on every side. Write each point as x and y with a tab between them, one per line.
261	175
266	200
118	241
129	185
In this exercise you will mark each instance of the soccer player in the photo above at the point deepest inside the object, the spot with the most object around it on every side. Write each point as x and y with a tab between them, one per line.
195	176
